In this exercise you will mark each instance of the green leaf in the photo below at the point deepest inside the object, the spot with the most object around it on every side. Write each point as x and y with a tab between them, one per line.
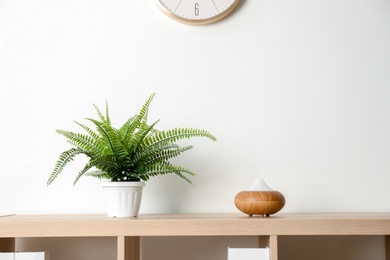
65	158
161	169
83	142
164	155
92	133
81	173
127	130
176	134
112	142
102	119
139	137
143	115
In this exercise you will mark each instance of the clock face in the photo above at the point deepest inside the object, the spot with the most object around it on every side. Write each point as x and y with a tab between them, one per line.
197	12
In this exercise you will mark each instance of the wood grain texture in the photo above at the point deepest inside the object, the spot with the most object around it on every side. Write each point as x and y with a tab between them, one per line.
7	244
273	247
272	243
195	225
259	202
128	248
128	230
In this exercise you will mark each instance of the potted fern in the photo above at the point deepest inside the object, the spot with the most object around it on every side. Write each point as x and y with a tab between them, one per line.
126	156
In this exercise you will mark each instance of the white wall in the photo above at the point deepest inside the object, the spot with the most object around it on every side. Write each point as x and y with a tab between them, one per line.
297	92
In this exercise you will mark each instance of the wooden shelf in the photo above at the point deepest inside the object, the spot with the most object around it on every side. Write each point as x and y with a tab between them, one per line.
129	230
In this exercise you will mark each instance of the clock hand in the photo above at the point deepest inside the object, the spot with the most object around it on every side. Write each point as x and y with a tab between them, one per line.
215	5
177	6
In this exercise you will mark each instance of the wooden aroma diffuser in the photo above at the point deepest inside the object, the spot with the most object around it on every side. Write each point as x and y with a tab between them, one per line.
259	199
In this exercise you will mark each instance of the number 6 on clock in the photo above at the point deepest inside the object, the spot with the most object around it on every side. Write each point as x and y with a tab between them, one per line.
197	12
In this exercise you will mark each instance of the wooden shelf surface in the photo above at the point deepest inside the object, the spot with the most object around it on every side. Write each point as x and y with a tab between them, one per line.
230	224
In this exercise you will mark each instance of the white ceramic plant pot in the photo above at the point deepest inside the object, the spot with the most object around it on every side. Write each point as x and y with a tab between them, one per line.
122	198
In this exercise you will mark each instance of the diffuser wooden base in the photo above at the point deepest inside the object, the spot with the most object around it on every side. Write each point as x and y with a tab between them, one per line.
259	202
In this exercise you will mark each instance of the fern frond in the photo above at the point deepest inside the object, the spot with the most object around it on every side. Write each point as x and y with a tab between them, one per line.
81	173
165	155
179	172
89	131
108	119
146	154
139	137
102	119
64	159
143	115
110	165
106	163
176	134
162	169
83	142
98	174
128	129
110	137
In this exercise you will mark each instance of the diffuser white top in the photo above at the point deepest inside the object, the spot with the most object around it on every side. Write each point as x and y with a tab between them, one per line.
259	185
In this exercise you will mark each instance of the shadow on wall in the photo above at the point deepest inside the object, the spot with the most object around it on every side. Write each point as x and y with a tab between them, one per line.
211	248
102	248
331	247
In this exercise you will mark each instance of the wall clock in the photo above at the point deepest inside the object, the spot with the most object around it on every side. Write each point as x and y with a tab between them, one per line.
197	12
